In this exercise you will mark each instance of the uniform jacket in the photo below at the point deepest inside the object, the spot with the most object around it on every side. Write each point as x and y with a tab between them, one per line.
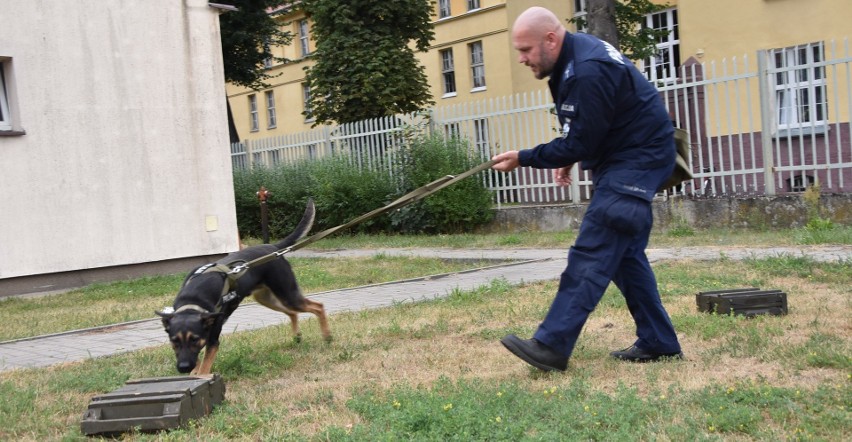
613	120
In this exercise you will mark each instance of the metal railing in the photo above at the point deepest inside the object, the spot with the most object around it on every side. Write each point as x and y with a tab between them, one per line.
768	126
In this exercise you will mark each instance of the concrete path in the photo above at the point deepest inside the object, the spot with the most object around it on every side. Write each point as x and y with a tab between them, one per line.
529	265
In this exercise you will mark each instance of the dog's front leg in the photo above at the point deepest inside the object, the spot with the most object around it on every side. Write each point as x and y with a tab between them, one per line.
207	362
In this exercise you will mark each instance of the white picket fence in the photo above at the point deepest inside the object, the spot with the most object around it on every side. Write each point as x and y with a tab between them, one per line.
764	125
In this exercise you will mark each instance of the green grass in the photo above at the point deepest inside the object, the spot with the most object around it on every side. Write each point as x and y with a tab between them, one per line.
111	303
678	236
434	370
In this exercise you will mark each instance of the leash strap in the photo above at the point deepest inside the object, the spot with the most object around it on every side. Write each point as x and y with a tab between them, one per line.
414	195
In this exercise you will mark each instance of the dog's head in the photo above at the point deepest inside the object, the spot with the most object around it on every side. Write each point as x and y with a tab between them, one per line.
188	332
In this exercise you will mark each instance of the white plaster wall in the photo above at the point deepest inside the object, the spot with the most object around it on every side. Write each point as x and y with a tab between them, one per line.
125	158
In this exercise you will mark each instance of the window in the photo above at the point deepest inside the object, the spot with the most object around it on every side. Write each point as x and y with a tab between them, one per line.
306	102
268	61
477	65
800	87
472	4
448	72
581	10
304	37
255	125
443	8
663	66
270	109
5	115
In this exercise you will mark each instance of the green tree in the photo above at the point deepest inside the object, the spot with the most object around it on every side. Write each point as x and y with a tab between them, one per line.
248	34
633	39
365	66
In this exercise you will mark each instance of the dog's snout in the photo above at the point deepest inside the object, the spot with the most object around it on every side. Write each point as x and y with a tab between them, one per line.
184	367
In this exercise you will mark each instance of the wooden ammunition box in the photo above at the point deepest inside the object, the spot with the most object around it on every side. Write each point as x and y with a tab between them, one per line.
747	302
153	404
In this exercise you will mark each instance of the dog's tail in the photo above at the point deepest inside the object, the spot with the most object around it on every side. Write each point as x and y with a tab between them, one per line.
302	229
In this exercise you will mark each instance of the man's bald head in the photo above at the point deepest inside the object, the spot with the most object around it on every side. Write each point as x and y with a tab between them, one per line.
537	36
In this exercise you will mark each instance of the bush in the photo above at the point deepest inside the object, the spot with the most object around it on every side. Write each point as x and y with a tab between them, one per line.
342	191
454	209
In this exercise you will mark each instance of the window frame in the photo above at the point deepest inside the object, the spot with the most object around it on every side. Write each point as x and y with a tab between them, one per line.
448	72
667	59
6	120
444	9
581	11
307	111
304	37
789	83
254	120
472	5
271	115
477	66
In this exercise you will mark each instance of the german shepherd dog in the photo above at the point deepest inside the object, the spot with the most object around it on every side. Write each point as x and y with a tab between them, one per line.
196	320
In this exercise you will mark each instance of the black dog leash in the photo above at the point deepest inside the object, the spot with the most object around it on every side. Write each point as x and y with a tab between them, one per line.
236	272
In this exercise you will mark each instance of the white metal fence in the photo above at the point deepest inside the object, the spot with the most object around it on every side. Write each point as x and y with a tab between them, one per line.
762	125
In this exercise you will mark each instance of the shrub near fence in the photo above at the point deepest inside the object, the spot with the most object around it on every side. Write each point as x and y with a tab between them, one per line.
342	190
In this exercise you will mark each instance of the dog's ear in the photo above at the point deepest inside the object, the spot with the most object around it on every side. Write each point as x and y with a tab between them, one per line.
166	318
210	318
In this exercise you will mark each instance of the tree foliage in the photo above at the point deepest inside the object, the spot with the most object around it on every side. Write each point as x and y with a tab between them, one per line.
635	40
365	67
247	36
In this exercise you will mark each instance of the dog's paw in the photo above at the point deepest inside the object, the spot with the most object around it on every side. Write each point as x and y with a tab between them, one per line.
298	338
328	339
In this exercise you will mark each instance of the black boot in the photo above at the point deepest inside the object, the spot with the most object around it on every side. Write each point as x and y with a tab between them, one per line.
636	354
535	353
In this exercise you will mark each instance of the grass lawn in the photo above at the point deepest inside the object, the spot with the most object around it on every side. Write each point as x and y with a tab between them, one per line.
436	371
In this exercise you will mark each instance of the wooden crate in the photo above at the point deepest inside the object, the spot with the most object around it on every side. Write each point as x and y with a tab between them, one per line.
747	302
153	404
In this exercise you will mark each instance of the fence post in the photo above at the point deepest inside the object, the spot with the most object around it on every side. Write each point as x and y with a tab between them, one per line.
766	99
249	155
326	140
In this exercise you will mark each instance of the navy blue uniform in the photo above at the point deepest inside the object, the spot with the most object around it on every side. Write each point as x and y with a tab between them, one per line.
614	124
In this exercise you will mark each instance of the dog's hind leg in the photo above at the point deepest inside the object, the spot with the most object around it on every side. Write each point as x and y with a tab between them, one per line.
319	310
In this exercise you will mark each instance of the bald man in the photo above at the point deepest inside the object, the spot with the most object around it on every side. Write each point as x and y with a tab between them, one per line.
615	125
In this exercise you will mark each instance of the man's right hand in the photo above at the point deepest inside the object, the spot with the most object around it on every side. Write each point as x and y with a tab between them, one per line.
506	162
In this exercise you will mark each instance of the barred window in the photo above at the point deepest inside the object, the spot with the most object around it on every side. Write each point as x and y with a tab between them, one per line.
472	4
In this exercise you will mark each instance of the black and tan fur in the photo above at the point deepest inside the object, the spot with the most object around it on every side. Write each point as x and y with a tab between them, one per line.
195	322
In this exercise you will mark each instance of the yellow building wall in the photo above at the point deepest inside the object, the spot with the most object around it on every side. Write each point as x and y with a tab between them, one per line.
721	29
709	31
490	24
286	84
727	35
